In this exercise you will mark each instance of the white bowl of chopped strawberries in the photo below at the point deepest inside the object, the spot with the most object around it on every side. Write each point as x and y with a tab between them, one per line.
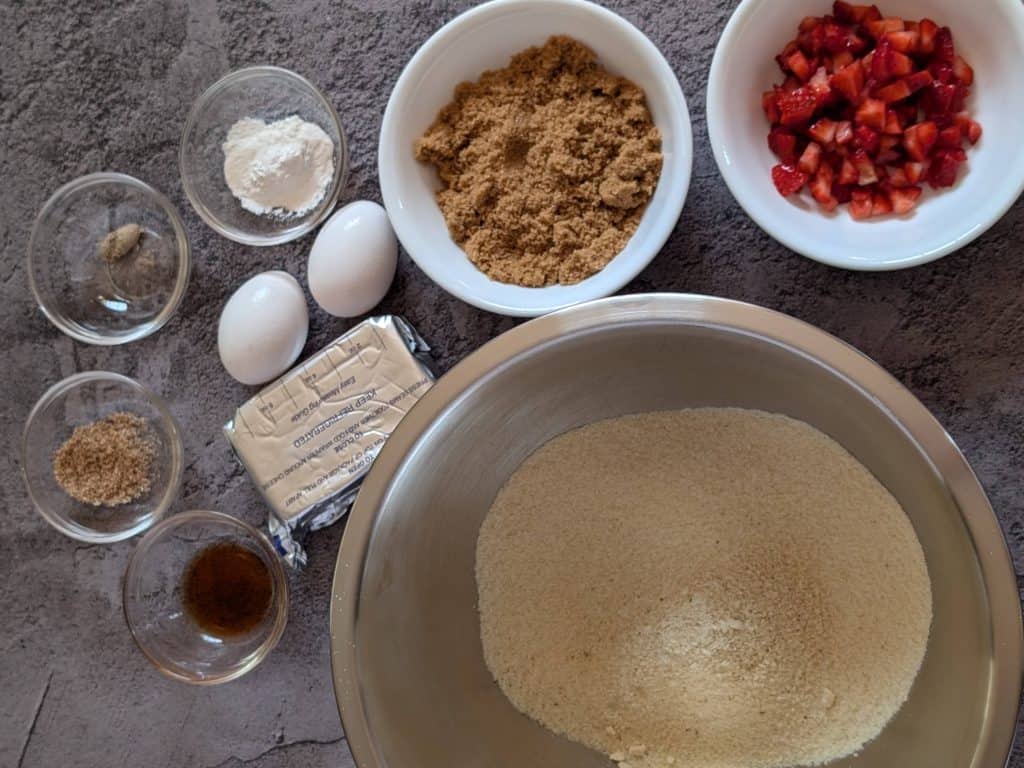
871	137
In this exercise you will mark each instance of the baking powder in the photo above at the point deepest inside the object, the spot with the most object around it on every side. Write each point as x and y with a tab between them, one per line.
283	167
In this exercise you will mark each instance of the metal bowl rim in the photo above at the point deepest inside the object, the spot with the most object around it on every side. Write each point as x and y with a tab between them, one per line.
889	395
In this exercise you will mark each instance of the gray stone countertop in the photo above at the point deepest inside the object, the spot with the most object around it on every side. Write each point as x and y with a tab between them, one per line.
90	86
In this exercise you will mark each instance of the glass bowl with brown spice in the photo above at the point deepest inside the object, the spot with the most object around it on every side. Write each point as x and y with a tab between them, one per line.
205	597
101	456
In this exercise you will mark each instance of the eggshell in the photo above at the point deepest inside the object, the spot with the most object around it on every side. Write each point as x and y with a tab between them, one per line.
353	260
263	327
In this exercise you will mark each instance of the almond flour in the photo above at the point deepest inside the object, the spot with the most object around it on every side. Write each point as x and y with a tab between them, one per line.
714	588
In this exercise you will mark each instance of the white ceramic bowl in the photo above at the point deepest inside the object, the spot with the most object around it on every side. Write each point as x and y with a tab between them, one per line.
486	38
989	34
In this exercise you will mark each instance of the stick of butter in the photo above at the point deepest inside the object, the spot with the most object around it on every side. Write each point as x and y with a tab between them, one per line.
308	439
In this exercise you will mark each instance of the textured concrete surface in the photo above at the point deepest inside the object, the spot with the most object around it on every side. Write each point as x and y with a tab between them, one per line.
87	87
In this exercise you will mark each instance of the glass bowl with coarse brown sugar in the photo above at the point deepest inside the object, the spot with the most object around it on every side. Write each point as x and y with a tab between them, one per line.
101	456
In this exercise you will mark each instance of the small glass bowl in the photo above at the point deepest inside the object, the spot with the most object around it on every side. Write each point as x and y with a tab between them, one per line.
82	399
266	93
96	301
153	607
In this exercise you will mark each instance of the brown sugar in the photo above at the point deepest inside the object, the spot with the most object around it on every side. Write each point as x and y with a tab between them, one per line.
108	462
546	165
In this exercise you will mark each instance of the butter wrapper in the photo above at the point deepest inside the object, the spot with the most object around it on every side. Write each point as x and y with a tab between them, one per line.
308	440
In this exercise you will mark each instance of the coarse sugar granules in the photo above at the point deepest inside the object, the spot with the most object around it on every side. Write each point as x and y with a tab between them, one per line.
108	462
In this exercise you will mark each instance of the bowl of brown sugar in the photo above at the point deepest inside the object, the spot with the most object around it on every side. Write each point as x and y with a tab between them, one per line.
101	456
535	154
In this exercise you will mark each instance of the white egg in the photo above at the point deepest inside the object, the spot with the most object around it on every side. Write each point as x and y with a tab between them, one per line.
353	260
263	327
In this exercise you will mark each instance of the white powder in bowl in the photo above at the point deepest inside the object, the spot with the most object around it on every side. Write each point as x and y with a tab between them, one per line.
281	168
711	588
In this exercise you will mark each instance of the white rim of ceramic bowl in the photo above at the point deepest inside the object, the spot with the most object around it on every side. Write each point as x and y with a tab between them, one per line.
341	168
184	260
170	426
413	72
277	575
715	111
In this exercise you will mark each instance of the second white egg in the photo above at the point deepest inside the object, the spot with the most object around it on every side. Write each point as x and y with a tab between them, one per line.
353	260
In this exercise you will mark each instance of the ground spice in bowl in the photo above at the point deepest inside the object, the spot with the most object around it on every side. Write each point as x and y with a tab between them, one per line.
108	462
546	165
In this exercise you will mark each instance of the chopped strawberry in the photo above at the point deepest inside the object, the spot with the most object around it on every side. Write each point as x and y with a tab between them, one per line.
962	71
887	157
943	168
968	127
807	23
897	177
904	42
770	106
866	139
880	204
888	63
893	125
854	14
848	173
811	158
788	180
849	81
878	29
959	98
842	192
844	132
821	188
784	144
860	204
866	173
945	52
950	137
791	84
937	98
823	131
820	86
897	91
839	38
904	199
872	114
927	29
798	64
919	139
841	59
797	107
915	171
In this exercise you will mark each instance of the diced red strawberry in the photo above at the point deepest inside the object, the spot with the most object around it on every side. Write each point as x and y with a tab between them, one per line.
812	42
919	139
820	86
915	171
854	14
950	137
943	168
904	42
784	144
849	81
821	188
798	64
839	38
841	192
897	177
791	84
770	106
962	71
927	29
866	173
866	139
878	29
945	52
942	72
823	131
860	204
888	63
796	108
788	180
810	160
937	98
897	91
893	126
844	132
848	173
841	59
872	114
968	127
880	204
959	98
904	199
887	156
807	23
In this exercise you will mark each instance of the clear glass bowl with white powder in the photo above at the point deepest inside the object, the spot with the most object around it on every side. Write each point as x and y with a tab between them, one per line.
255	160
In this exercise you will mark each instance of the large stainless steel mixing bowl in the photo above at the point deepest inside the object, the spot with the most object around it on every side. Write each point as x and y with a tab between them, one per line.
408	667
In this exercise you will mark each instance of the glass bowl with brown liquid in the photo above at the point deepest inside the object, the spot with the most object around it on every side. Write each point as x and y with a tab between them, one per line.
205	597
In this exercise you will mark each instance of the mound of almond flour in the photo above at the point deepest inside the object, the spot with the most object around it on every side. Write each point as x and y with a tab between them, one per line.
715	588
